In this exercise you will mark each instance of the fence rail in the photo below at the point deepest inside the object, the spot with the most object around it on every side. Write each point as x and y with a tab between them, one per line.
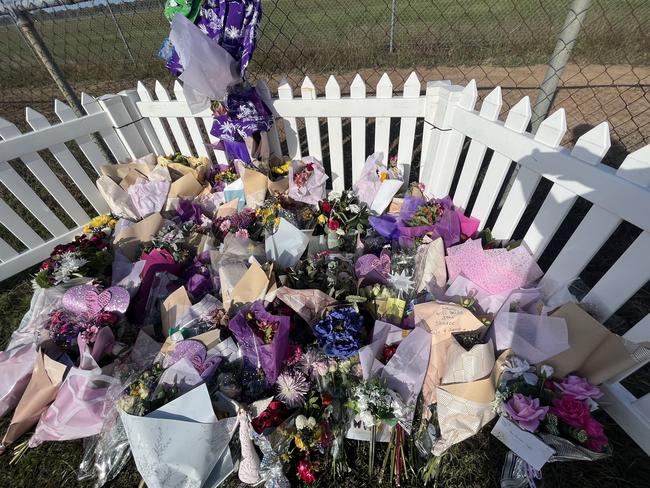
107	45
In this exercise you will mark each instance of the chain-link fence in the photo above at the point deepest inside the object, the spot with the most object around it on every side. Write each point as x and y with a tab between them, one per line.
107	45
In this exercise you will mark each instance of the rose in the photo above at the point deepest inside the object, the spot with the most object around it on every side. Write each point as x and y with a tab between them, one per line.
579	388
526	411
107	319
326	400
334	224
325	206
571	411
271	417
597	444
593	428
305	472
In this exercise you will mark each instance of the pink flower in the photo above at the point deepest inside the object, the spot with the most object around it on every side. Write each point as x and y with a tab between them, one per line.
225	226
241	234
597	444
579	388
526	411
571	411
593	428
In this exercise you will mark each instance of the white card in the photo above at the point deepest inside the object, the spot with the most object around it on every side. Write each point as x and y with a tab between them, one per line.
524	444
358	432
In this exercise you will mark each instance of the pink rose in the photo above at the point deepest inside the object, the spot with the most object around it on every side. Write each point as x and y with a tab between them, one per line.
597	444
593	428
571	411
579	388
526	411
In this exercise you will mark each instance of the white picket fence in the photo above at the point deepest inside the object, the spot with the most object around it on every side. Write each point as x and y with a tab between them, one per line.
135	123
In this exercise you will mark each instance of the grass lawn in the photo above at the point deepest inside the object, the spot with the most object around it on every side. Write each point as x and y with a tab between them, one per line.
475	463
336	35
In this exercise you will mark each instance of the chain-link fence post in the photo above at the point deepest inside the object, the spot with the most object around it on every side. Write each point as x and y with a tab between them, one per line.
26	27
119	32
566	41
393	18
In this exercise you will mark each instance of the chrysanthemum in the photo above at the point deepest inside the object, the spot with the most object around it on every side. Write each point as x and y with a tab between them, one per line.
292	388
313	364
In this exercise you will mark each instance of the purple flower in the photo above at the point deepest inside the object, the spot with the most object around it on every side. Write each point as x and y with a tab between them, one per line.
526	411
338	333
189	211
579	388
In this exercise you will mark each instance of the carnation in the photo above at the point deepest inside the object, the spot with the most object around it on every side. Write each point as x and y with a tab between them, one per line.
571	411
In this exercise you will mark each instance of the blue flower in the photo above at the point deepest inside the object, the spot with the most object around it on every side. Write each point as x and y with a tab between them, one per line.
338	333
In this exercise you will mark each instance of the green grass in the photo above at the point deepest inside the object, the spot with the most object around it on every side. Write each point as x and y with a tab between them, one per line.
327	36
475	463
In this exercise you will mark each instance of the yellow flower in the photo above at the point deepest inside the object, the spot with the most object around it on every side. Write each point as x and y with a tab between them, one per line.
276	221
322	219
100	222
282	169
299	443
383	175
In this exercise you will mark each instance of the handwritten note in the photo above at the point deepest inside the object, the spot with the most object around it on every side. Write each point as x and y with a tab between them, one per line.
527	446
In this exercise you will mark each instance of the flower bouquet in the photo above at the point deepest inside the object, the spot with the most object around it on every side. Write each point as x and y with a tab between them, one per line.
87	255
343	218
378	182
557	411
159	440
263	338
307	179
339	332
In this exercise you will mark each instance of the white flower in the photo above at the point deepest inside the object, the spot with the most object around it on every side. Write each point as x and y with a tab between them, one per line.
311	422
301	422
345	366
367	419
354	208
292	388
516	366
69	264
362	404
334	195
547	371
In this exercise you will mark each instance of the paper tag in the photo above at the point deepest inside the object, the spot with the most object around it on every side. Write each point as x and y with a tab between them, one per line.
357	431
527	446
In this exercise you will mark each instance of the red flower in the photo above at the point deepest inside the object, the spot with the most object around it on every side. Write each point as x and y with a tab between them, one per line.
325	206
389	352
326	399
46	264
597	444
305	472
107	319
334	224
273	416
571	411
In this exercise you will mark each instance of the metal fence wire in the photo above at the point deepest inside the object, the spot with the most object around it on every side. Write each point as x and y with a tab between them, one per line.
591	57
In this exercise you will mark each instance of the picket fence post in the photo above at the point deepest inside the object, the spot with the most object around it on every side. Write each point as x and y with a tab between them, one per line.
124	125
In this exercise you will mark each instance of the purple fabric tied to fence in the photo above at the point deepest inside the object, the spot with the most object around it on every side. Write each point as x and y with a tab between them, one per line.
232	23
246	113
